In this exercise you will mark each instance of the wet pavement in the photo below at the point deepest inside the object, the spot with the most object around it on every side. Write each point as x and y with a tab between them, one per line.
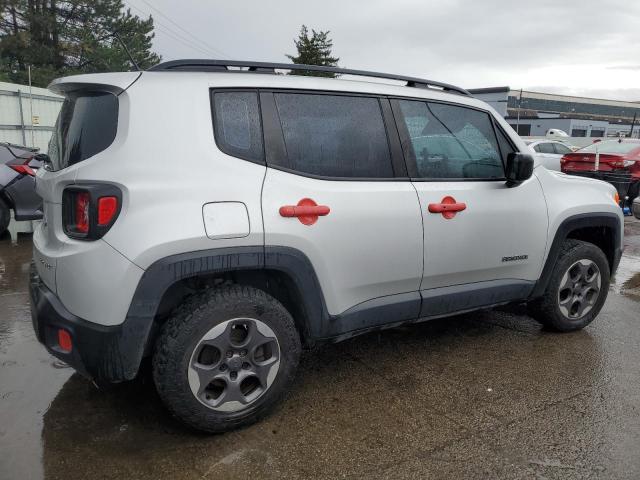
484	395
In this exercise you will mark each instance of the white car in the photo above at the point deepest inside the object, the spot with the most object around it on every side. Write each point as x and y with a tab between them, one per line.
217	220
549	152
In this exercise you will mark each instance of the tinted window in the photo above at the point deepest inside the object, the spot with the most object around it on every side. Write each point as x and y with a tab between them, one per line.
86	125
334	136
546	147
611	146
561	149
451	142
237	126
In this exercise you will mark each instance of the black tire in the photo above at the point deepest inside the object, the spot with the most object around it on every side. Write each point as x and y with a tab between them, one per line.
547	309
5	216
183	333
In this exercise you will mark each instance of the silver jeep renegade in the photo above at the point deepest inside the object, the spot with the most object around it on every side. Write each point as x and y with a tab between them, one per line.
217	217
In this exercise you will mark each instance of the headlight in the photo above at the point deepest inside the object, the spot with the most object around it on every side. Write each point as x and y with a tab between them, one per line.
628	163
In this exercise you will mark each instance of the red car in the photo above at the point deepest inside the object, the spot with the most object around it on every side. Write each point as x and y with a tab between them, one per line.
618	164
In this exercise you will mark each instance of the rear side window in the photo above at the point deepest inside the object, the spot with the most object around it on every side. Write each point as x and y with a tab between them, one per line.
546	147
450	141
561	149
86	125
237	126
334	135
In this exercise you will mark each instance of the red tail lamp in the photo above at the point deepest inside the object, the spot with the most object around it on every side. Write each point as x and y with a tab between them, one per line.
64	340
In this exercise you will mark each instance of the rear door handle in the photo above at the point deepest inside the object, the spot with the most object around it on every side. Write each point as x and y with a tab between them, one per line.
448	207
307	211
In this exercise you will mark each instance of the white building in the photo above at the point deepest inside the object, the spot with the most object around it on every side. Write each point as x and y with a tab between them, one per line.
27	117
534	113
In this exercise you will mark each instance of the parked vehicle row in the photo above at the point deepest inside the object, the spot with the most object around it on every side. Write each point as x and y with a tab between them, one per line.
304	210
549	152
18	166
615	161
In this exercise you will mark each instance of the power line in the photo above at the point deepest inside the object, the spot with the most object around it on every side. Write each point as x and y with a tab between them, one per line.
172	33
209	46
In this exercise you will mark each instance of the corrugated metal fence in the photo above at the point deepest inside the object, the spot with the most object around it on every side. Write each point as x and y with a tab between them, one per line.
27	117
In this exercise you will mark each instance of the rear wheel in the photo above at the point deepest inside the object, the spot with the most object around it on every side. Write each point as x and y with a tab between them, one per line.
5	216
577	289
225	358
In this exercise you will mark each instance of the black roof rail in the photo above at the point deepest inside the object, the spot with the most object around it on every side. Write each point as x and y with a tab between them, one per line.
205	65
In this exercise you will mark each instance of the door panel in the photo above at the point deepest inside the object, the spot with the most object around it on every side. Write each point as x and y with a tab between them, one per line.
483	241
476	229
334	154
369	245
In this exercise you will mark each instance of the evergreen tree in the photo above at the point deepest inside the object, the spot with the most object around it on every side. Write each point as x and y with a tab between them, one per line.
65	37
314	50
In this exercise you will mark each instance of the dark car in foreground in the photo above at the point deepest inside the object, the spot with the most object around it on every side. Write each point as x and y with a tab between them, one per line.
18	166
615	161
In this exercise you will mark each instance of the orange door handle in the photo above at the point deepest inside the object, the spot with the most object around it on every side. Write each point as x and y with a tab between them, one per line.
448	207
307	211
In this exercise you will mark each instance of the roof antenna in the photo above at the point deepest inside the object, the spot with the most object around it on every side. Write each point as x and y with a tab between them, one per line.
115	34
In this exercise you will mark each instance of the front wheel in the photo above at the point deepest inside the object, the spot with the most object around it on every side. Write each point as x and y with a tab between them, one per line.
225	358
577	288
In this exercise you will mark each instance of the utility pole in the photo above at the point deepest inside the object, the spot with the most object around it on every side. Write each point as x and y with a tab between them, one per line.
518	119
633	122
31	107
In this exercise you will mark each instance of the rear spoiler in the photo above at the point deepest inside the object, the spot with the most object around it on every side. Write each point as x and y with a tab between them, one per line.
115	83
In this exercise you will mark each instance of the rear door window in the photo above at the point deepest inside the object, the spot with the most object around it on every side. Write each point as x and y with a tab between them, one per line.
561	149
449	141
546	147
86	125
334	135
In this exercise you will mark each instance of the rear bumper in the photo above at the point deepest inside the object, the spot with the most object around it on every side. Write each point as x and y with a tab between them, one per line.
104	354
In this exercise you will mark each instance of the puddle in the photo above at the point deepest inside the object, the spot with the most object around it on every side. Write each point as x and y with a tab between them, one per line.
626	281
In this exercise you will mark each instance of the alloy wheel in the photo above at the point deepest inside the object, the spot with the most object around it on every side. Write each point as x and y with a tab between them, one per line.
234	364
579	289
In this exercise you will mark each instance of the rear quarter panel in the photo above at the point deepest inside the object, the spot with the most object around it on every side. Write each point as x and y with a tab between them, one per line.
167	164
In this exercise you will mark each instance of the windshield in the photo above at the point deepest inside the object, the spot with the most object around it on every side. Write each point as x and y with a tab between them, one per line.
610	146
86	125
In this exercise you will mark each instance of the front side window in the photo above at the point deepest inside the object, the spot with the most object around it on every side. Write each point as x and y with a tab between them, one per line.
237	125
334	135
450	142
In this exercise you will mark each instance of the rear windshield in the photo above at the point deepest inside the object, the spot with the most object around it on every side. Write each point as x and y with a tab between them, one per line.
611	146
86	125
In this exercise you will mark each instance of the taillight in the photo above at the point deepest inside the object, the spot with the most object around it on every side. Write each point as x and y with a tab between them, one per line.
23	168
81	202
107	208
89	211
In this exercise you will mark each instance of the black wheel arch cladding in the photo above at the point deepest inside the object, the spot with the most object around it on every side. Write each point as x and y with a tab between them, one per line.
580	223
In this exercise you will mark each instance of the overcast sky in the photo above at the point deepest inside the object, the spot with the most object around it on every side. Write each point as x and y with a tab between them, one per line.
580	47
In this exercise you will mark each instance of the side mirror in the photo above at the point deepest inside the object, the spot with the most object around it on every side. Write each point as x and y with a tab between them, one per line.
519	168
